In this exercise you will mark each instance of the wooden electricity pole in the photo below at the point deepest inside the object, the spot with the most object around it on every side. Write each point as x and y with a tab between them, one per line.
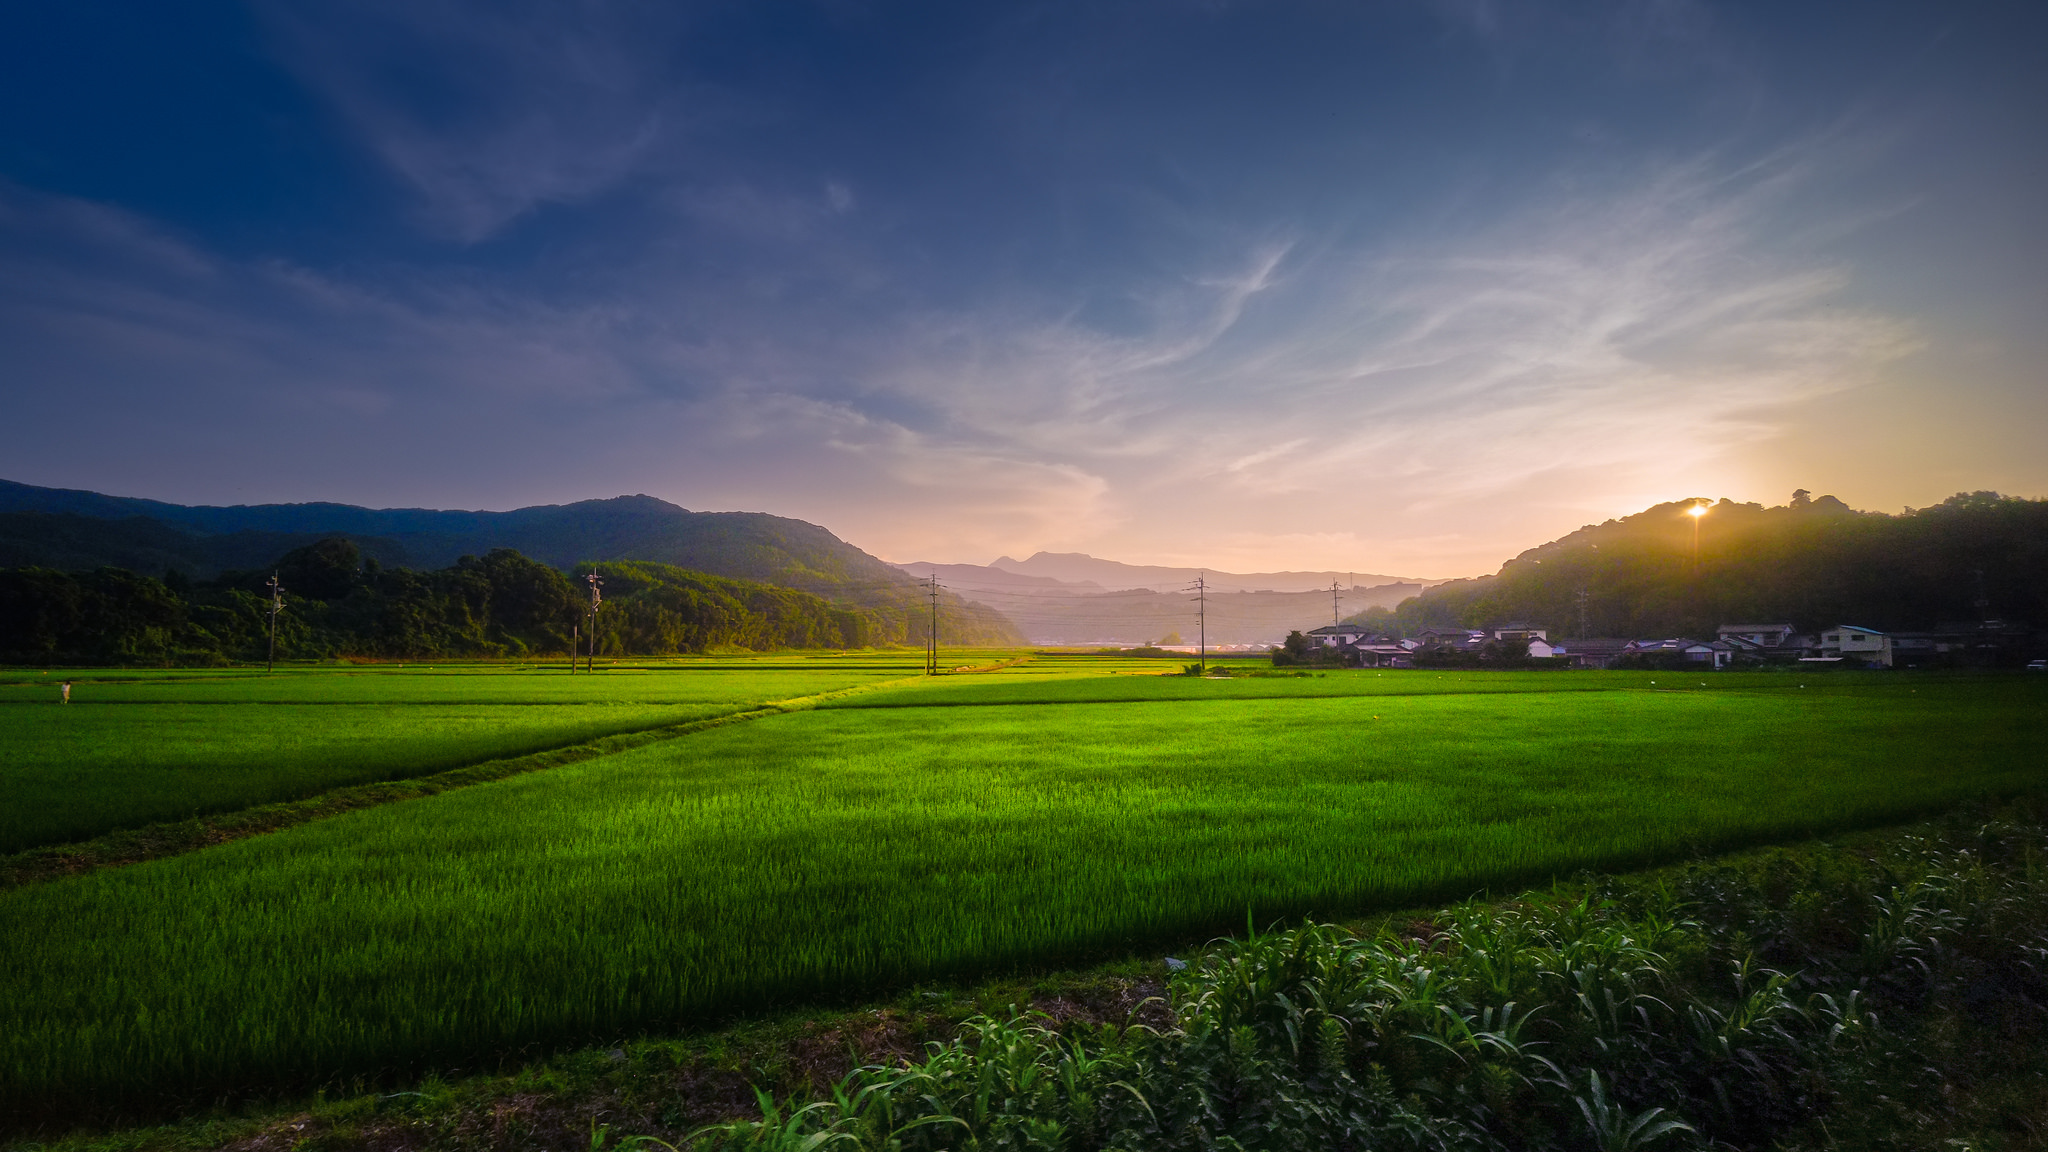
276	606
931	640
596	597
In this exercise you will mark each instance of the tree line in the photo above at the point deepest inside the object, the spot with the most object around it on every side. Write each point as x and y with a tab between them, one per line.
1812	563
339	603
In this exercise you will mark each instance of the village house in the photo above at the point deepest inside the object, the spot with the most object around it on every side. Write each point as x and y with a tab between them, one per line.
1765	637
1594	652
1852	642
1382	652
1918	649
1454	638
1336	635
1714	654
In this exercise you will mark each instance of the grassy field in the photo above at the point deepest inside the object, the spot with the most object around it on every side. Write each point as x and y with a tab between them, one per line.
135	750
831	851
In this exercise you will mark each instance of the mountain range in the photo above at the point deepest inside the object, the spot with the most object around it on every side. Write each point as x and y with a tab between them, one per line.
73	530
1080	569
1076	599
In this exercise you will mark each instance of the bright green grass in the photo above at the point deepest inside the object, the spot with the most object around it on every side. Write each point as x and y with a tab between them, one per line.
73	773
1132	680
827	851
492	686
139	751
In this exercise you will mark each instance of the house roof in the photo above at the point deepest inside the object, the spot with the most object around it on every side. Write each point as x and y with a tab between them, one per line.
1855	628
1755	628
1592	644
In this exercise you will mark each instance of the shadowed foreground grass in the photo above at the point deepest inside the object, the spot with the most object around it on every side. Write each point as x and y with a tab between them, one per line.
835	851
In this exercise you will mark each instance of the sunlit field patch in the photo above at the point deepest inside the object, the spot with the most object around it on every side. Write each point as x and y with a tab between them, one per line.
135	750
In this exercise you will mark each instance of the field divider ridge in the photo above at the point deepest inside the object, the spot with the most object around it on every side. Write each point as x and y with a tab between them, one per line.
175	838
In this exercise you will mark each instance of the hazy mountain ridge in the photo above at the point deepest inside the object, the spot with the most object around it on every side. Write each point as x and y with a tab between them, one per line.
1079	567
740	545
1054	611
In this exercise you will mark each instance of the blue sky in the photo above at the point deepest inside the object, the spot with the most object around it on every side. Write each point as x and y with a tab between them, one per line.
1403	286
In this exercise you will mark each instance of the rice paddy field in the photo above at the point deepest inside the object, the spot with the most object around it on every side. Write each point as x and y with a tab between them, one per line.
130	751
1046	810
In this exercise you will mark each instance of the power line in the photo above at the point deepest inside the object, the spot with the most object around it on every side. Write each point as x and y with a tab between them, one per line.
1201	591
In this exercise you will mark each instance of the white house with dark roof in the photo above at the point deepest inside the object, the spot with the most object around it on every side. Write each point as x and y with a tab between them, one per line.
1337	635
1854	642
1760	635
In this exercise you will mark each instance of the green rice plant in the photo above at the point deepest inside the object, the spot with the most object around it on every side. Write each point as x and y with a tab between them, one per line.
433	685
76	772
834	851
140	750
1046	682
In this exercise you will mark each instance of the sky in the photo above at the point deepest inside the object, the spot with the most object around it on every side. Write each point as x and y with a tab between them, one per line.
1401	287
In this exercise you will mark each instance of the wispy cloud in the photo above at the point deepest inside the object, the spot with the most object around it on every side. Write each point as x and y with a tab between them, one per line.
1651	330
489	111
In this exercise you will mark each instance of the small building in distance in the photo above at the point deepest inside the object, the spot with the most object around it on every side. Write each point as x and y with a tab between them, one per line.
1713	654
1381	652
1853	642
1927	649
1337	635
1520	630
1594	652
1762	636
1457	639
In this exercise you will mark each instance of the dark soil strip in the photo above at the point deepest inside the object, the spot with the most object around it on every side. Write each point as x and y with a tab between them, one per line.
155	841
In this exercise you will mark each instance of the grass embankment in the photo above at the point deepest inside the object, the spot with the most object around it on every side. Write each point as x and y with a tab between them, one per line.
844	849
137	751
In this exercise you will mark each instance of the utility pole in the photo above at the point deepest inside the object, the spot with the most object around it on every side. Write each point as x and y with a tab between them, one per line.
276	606
1334	621
1584	597
575	646
596	598
1201	591
931	640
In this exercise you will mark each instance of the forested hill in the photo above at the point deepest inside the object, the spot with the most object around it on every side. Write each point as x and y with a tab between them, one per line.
1812	563
75	530
340	603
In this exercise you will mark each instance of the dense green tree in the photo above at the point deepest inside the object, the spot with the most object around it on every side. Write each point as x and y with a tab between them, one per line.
110	616
1812	563
337	603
